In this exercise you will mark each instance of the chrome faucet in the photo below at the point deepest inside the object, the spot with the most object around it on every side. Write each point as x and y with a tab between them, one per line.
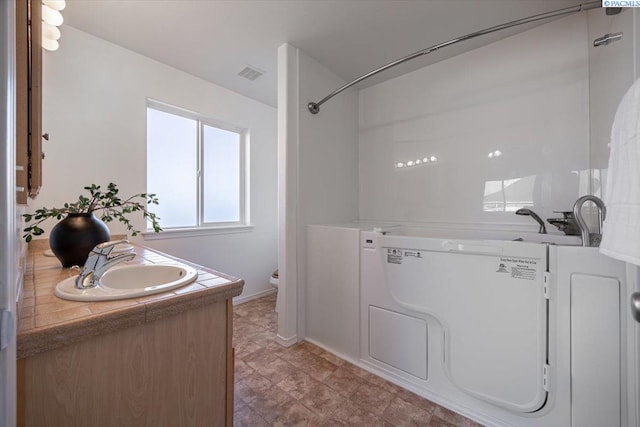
532	214
98	262
588	238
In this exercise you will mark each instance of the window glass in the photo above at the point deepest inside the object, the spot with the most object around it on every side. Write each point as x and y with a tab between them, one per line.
172	165
221	175
196	169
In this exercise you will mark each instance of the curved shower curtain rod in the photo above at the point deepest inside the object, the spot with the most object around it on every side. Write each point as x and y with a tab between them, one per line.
314	107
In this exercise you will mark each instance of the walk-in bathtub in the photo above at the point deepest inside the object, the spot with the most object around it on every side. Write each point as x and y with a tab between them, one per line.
522	332
528	332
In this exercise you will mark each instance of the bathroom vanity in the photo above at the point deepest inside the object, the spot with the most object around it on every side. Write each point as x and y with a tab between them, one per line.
160	360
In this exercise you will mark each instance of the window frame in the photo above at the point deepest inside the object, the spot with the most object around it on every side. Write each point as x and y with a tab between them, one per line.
203	227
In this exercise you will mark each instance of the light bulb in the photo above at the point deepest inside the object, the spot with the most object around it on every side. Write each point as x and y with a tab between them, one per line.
55	4
434	159
50	32
410	163
399	165
490	155
497	153
51	16
425	160
50	45
418	162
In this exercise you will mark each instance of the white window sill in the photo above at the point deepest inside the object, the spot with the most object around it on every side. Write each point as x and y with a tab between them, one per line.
175	233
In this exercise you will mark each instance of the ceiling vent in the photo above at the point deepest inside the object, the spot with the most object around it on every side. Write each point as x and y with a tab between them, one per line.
251	73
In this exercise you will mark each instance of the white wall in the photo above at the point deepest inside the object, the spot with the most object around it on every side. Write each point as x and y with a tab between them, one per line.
526	96
94	107
320	155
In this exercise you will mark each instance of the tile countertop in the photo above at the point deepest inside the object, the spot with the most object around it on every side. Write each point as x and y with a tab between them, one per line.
47	322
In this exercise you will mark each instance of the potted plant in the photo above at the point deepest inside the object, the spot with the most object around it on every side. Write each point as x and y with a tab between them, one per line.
80	230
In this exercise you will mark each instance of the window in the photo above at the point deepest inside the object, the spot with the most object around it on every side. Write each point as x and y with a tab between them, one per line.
196	166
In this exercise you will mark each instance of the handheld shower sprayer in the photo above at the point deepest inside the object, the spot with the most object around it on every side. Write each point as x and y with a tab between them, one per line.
532	214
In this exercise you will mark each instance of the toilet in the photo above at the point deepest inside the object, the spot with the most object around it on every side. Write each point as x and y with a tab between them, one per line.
274	280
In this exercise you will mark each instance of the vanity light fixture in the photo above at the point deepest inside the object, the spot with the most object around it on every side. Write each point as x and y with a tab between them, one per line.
51	20
417	162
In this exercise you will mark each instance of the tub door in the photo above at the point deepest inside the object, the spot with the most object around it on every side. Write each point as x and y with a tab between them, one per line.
491	300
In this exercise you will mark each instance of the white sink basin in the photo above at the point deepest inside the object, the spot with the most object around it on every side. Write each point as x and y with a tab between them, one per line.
129	281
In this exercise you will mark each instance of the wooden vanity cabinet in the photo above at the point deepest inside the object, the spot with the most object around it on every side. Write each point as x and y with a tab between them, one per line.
28	99
173	371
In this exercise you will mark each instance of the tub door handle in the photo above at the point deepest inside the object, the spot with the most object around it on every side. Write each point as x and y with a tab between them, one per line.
635	306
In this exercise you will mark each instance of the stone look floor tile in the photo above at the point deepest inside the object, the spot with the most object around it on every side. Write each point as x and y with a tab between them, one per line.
262	338
304	385
247	417
351	414
344	382
245	349
271	403
312	364
253	385
242	370
403	414
298	384
272	367
372	398
322	400
295	415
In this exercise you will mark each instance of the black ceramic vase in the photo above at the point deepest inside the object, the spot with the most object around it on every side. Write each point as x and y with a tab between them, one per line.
72	239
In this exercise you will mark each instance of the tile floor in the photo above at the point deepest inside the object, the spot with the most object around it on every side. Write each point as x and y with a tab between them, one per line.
304	385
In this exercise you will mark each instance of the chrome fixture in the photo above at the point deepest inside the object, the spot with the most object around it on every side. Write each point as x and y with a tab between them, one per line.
588	238
635	306
607	39
99	262
314	107
567	224
532	214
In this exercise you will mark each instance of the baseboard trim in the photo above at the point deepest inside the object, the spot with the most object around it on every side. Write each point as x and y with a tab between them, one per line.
242	299
287	342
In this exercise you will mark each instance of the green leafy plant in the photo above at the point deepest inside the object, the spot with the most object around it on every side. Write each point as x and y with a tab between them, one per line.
108	203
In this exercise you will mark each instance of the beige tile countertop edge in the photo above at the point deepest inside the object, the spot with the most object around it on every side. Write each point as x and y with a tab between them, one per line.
77	321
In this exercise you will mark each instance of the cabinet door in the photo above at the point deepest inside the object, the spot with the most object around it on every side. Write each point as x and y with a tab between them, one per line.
22	101
28	100
35	105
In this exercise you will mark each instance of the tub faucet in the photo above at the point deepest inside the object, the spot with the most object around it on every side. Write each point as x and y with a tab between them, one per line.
588	238
532	214
98	262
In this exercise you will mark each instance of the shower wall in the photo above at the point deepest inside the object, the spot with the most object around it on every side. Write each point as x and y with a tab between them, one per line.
493	130
611	73
317	168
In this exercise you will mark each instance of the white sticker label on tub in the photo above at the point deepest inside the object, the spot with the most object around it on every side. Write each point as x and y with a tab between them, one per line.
394	256
519	268
415	254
